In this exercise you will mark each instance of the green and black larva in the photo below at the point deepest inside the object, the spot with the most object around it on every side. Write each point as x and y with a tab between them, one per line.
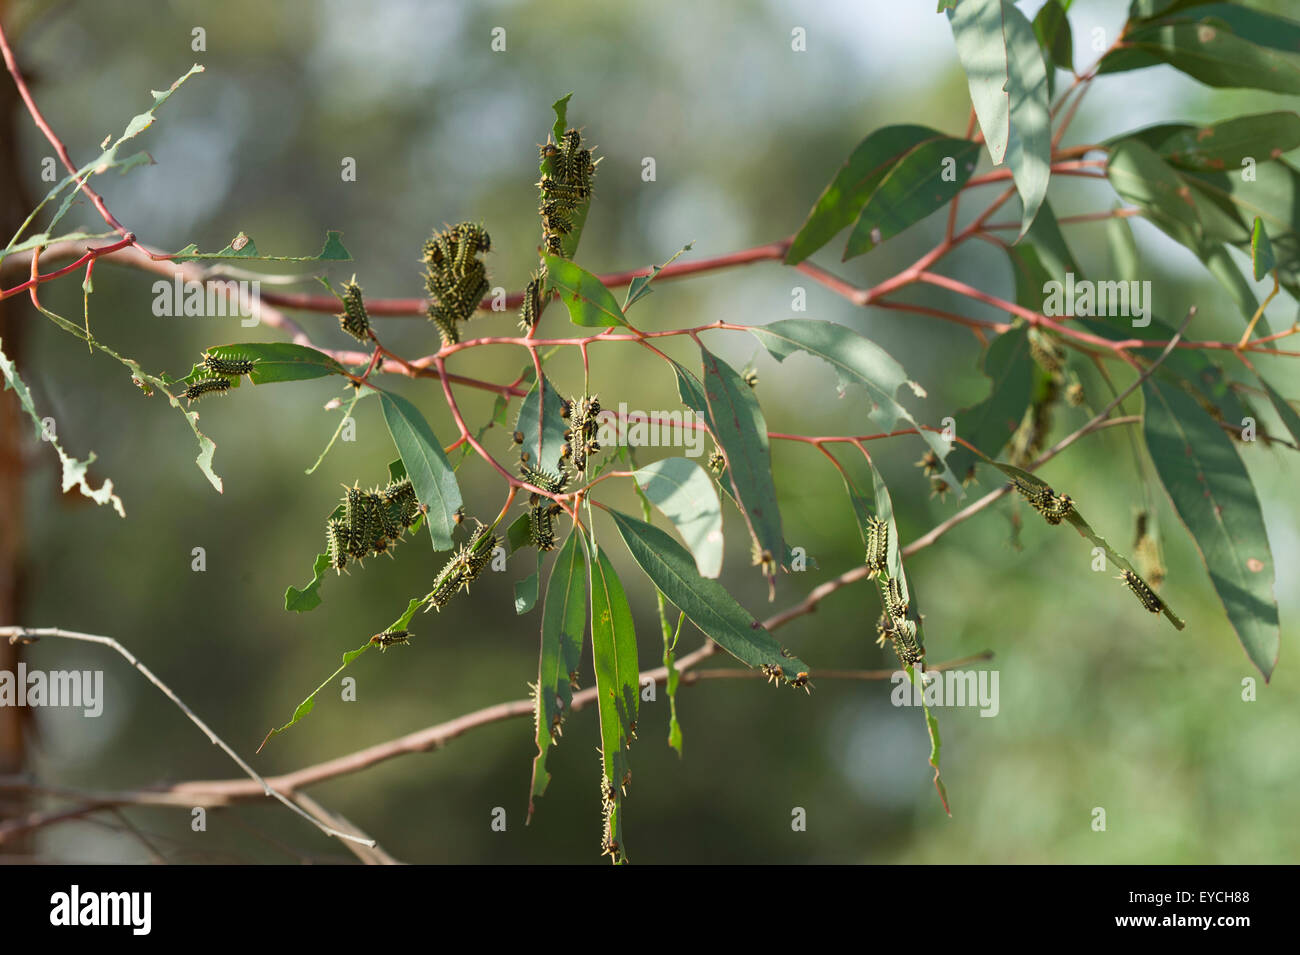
877	545
391	638
462	569
580	438
228	367
372	522
205	386
1144	593
355	320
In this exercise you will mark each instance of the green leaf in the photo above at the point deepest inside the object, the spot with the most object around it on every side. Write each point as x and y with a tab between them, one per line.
308	598
432	477
275	361
1213	495
543	440
923	181
1080	524
1284	410
842	200
705	602
683	491
1262	259
1221	45
1218	147
74	470
1052	27
564	622
1123	249
977	30
639	287
990	423
856	360
588	301
741	432
519	533
613	649
936	745
1141	177
1029	147
526	589
242	247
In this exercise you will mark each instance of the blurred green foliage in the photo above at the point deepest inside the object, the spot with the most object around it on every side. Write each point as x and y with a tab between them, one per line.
1101	705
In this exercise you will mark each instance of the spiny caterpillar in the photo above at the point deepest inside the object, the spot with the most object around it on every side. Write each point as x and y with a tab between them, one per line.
336	544
773	672
1046	352
205	386
455	276
1143	592
895	605
908	648
355	320
877	545
228	367
580	438
542	510
531	310
390	638
565	184
461	570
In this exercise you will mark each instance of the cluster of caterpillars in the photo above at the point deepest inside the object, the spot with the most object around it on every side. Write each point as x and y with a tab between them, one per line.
567	173
455	276
221	374
463	568
372	522
1055	508
894	625
580	437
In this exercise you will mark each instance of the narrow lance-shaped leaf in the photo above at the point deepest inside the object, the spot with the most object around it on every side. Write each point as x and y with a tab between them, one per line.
426	464
273	362
1213	495
1029	148
856	360
977	30
705	602
1076	519
564	621
741	432
613	648
306	706
923	181
1262	259
843	199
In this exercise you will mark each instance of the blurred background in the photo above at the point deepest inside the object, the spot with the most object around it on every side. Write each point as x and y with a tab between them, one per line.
1101	704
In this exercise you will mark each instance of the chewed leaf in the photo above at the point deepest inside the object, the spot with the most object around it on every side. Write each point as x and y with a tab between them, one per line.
856	360
74	470
242	247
